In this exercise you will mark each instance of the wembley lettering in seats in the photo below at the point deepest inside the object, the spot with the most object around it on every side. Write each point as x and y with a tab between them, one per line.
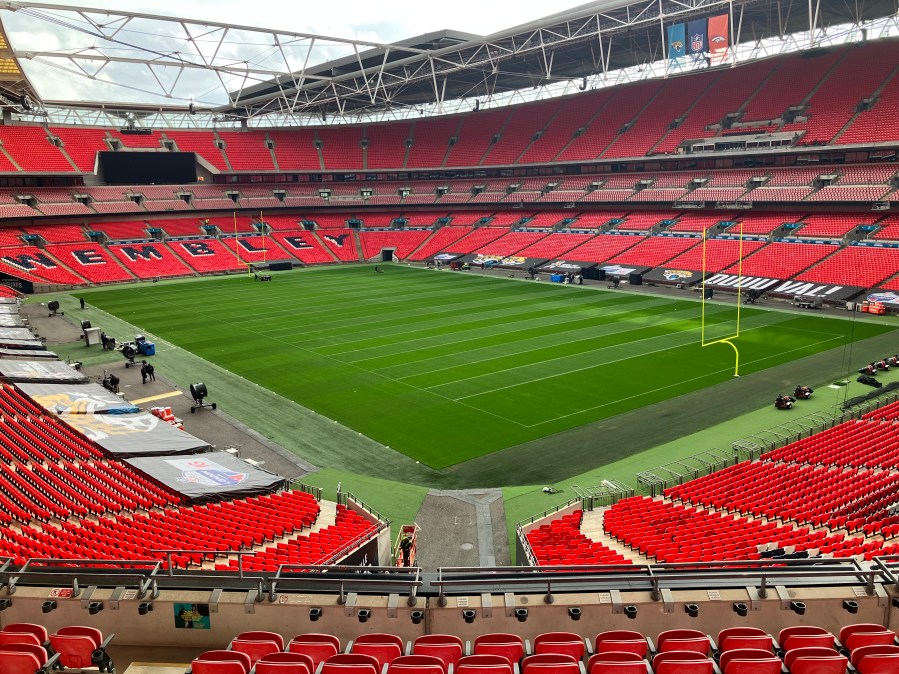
88	257
146	252
778	287
297	242
249	247
197	248
28	261
336	240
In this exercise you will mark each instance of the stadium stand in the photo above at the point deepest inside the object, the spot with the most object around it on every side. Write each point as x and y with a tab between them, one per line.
207	255
863	265
833	225
654	251
306	246
717	255
511	243
82	145
341	242
341	148
403	241
90	261
37	264
31	149
782	260
149	260
442	240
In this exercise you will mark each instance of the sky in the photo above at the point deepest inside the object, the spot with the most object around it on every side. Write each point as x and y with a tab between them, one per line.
379	21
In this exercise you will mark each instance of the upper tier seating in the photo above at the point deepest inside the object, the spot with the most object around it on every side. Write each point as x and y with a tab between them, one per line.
200	142
341	148
179	227
387	145
431	139
602	248
295	149
474	135
31	149
246	150
82	145
521	126
477	238
875	124
832	225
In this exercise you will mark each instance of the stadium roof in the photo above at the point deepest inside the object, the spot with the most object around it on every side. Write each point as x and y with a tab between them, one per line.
146	63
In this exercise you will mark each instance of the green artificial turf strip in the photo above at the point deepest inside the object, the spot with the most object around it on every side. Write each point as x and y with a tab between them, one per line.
447	367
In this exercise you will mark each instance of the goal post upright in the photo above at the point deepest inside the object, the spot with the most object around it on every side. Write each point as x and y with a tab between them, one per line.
729	340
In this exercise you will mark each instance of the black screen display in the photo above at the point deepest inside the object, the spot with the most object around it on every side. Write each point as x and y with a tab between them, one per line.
146	168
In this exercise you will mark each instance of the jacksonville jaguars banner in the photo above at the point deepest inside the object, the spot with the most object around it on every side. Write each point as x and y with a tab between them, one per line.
209	477
132	435
697	38
666	276
826	291
676	39
77	399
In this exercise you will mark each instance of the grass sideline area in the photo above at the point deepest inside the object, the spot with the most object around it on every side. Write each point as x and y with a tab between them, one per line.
446	367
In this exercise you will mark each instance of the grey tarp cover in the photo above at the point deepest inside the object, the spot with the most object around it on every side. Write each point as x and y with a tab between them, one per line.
10	321
128	435
39	371
77	399
26	354
9	310
17	335
209	477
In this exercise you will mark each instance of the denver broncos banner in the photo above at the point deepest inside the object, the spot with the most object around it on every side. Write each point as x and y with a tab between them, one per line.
697	38
718	38
676	38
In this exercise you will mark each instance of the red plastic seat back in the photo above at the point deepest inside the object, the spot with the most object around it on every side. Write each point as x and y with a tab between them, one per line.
319	647
622	641
744	637
483	664
832	664
638	666
351	663
446	647
563	643
254	649
684	640
285	663
509	646
261	635
75	645
12	662
220	662
874	649
18	638
37	630
417	664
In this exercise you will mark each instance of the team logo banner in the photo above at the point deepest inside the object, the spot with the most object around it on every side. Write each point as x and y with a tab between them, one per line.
826	291
199	470
567	265
676	39
673	276
718	38
884	296
697	37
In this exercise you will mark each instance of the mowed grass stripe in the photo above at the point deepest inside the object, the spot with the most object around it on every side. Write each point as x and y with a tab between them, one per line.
343	342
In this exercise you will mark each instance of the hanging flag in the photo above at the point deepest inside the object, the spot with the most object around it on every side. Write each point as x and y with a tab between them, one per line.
697	41
718	38
676	46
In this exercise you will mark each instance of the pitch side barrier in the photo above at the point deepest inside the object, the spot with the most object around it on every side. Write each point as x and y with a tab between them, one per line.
141	604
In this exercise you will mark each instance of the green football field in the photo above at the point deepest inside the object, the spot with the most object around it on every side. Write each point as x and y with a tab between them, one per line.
445	367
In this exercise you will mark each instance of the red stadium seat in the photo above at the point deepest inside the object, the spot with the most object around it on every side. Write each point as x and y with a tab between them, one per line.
385	648
257	644
550	663
749	661
876	659
417	664
447	647
285	663
483	664
317	646
76	645
804	636
566	643
617	662
221	662
683	640
509	646
621	640
682	662
350	663
866	634
815	660
744	637
19	661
